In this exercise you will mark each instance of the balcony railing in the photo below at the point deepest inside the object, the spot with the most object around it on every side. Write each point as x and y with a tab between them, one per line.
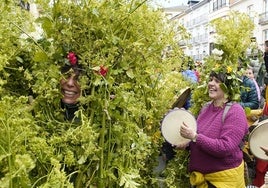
217	5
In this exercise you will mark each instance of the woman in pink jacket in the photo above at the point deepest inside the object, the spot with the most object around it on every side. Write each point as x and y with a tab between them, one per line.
216	158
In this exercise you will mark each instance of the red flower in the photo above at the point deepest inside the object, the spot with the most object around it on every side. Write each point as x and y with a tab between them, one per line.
72	58
103	71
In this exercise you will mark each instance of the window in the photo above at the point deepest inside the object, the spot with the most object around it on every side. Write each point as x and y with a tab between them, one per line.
250	9
24	5
250	12
265	6
265	34
217	4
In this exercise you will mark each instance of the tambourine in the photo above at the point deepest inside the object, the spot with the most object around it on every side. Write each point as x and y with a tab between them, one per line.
181	100
259	138
171	123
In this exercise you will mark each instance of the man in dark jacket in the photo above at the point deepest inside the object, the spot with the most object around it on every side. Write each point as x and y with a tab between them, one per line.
249	99
249	95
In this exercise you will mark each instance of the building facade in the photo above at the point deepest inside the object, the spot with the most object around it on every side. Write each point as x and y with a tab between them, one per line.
197	16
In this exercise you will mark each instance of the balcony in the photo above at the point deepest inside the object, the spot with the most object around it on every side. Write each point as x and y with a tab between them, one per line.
263	18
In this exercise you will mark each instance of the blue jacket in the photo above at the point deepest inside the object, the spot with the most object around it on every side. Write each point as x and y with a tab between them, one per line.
190	75
249	95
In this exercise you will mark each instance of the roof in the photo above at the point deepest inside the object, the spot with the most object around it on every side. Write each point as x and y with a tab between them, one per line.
175	8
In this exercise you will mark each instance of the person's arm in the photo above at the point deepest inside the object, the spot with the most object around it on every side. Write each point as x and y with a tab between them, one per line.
265	150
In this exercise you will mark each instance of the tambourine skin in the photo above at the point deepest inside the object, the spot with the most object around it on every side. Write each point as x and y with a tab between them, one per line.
257	138
171	123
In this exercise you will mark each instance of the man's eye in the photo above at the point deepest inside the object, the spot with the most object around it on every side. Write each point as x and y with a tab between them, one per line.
76	77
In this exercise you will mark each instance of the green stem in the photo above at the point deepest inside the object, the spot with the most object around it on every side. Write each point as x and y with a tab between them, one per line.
78	180
102	137
102	134
109	144
9	157
102	143
92	110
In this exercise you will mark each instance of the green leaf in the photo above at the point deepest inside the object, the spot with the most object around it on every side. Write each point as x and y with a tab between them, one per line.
40	56
130	73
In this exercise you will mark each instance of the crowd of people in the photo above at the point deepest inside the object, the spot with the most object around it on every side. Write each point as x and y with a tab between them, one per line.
215	159
218	155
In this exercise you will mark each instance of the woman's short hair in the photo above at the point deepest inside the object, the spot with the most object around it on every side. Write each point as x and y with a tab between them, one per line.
220	76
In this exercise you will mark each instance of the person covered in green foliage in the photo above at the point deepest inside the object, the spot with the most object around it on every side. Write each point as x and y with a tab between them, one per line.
70	87
216	158
130	45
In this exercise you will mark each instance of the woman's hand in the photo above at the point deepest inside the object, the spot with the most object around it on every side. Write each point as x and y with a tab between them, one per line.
187	132
181	146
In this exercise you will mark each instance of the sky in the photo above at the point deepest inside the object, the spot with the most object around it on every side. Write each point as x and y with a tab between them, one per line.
170	3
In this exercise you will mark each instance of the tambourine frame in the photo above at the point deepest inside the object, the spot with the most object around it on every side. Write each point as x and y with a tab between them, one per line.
182	99
171	123
259	138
